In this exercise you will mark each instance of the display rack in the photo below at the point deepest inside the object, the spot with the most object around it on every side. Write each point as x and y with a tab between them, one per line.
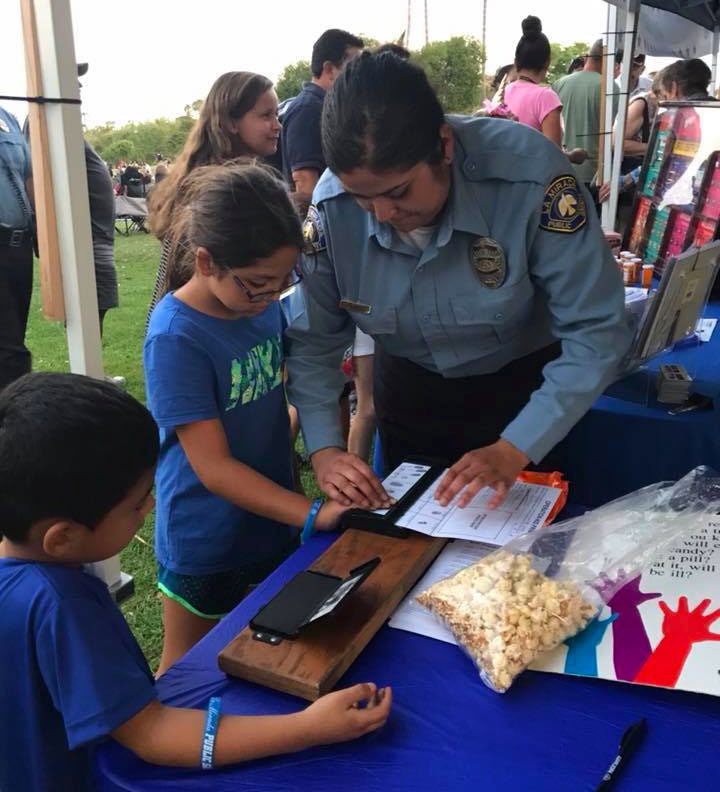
677	204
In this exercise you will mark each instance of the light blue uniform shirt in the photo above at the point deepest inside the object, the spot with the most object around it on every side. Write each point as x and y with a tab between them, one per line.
432	307
14	157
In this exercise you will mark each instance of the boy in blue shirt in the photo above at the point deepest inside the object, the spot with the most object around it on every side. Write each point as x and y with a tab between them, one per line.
77	459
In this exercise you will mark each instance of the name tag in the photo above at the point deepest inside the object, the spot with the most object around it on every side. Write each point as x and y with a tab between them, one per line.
355	307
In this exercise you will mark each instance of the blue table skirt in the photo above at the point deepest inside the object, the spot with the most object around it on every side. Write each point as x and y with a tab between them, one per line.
628	440
447	731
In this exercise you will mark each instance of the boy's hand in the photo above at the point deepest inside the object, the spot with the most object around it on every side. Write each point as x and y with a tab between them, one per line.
328	517
341	716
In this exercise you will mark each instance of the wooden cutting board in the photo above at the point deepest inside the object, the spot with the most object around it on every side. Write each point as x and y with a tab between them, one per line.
310	665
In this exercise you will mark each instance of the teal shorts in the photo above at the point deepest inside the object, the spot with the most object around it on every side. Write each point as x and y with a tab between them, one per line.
213	596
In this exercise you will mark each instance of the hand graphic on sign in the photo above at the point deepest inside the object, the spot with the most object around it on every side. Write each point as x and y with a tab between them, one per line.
681	629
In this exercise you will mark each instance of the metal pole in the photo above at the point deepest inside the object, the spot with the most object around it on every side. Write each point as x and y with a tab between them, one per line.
606	132
427	37
484	52
631	20
716	44
407	34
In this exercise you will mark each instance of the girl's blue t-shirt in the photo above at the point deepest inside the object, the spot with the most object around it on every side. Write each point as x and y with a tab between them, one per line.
198	367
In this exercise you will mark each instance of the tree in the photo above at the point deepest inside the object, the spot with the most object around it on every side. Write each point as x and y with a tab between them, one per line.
290	81
453	68
561	57
193	110
119	150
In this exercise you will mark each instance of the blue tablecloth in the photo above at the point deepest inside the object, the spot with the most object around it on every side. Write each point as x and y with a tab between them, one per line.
447	731
628	440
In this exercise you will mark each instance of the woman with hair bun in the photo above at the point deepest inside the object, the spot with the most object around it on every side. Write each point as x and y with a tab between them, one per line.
534	104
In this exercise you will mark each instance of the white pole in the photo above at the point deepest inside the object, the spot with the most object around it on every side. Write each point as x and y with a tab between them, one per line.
409	19
70	197
610	43
716	45
484	51
631	20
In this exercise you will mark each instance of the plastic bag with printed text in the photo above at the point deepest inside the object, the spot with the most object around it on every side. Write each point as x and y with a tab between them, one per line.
529	596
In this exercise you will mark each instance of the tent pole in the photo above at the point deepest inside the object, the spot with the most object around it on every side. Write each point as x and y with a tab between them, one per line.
66	155
606	118
631	21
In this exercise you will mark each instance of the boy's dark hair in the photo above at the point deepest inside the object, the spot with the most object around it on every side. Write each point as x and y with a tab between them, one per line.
71	447
533	49
332	46
381	114
239	212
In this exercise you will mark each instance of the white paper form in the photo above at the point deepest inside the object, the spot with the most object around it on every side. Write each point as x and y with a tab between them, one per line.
525	509
412	617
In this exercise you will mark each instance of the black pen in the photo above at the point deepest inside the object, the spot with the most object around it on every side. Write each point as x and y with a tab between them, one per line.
628	743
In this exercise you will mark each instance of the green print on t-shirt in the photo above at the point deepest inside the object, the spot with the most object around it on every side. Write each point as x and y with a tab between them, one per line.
259	372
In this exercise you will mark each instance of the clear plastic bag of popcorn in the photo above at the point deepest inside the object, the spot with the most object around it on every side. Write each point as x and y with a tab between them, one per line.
542	588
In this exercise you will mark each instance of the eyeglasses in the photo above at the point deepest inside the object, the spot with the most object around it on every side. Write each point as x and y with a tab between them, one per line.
293	278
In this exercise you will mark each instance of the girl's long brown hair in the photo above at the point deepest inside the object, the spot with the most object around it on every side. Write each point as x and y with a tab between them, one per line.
239	212
210	141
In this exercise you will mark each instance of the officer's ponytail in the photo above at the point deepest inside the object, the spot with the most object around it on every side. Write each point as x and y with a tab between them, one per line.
381	114
533	49
238	212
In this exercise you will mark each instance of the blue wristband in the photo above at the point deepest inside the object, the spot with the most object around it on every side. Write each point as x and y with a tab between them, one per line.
310	520
211	724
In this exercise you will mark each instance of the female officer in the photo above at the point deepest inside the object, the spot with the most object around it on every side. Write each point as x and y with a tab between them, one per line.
464	247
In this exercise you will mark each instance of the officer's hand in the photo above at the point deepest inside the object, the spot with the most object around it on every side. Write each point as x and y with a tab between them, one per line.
495	466
348	480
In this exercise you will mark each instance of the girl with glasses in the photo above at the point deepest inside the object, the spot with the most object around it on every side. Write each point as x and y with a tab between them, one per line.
226	512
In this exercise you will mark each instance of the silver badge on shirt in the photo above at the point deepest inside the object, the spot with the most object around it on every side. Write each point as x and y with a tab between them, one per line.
488	260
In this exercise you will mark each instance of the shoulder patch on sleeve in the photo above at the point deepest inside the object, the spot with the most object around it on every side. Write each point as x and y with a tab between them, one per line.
563	208
313	232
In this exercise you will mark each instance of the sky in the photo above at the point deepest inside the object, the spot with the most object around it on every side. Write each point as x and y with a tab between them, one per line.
150	58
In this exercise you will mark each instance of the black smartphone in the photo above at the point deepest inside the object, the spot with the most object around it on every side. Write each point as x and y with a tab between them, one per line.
696	401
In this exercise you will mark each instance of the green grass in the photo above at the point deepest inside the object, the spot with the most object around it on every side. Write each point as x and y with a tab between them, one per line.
136	259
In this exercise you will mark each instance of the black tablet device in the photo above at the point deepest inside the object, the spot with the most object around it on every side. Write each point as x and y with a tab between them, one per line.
304	599
383	522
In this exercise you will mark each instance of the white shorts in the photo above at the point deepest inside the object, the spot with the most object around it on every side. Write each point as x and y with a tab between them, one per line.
364	344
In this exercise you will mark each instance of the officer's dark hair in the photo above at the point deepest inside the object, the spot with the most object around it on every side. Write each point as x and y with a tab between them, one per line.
533	49
71	447
332	46
238	212
691	78
396	49
381	114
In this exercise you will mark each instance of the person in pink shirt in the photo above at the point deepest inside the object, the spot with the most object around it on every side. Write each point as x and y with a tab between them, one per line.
534	104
